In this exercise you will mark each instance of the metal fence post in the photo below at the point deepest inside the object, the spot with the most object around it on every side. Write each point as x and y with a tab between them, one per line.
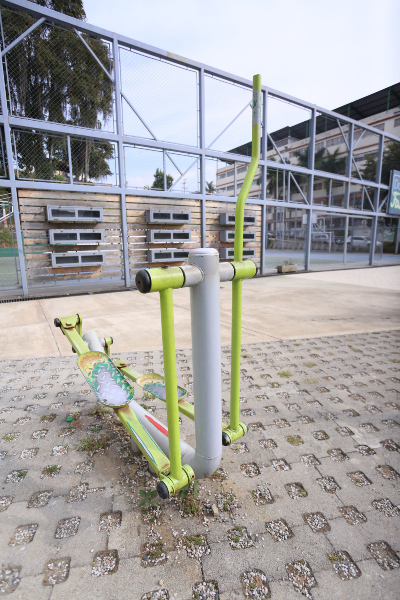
13	184
121	161
310	194
264	212
202	119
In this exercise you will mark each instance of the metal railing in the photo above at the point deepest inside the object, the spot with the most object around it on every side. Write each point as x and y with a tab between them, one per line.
111	114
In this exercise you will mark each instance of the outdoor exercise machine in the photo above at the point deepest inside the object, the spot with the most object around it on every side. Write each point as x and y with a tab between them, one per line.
172	459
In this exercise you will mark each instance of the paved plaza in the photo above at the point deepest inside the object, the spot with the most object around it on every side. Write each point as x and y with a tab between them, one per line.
307	504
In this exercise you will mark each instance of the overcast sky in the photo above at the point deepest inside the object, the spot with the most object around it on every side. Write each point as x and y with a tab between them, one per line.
328	53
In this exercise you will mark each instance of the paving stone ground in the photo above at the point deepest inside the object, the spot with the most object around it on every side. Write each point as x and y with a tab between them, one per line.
308	501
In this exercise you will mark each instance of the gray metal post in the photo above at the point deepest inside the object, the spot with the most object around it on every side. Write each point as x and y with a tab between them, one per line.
203	212
348	165
263	235
310	194
397	239
373	240
71	175
121	161
346	235
13	185
206	350
264	209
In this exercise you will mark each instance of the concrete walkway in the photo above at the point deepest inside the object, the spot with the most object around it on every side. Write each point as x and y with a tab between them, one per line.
275	308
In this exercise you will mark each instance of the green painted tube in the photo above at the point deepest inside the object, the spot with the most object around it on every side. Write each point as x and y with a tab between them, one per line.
235	353
238	255
171	383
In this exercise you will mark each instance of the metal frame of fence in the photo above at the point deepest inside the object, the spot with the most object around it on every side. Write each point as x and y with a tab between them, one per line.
9	122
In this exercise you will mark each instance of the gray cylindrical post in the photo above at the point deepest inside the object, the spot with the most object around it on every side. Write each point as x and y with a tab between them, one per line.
206	344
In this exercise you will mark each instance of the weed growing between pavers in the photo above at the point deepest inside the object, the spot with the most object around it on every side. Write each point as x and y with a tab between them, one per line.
161	594
226	501
93	444
255	585
294	440
261	495
50	471
196	546
153	553
239	538
295	490
205	590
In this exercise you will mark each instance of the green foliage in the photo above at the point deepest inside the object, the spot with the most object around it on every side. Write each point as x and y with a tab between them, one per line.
53	77
22	473
5	238
185	490
94	444
210	187
285	374
99	411
390	161
148	498
158	183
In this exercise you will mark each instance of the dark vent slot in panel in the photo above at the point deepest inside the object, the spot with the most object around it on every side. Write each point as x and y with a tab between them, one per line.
173	216
65	237
77	259
74	214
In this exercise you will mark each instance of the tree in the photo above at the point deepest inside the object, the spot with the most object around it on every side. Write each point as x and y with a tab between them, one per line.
390	161
158	183
210	187
53	77
323	160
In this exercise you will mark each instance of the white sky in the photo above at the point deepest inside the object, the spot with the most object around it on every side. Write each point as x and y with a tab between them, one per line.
326	52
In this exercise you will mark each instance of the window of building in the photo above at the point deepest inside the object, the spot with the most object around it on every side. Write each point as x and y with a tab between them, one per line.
337	183
318	186
397	122
319	145
242	170
230	173
359	157
230	188
334	141
221	175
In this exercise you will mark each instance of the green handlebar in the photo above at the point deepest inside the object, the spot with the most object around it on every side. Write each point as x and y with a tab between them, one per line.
248	180
246	269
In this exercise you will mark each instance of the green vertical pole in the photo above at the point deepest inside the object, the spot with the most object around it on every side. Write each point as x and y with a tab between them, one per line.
238	254
171	383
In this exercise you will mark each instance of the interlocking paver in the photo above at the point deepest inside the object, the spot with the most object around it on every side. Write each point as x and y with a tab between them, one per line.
320	462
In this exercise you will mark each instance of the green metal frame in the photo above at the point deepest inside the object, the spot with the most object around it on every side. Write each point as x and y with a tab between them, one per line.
236	428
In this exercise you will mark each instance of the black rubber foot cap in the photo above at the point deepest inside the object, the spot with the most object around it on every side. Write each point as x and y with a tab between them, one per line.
162	490
143	281
226	440
73	350
57	322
